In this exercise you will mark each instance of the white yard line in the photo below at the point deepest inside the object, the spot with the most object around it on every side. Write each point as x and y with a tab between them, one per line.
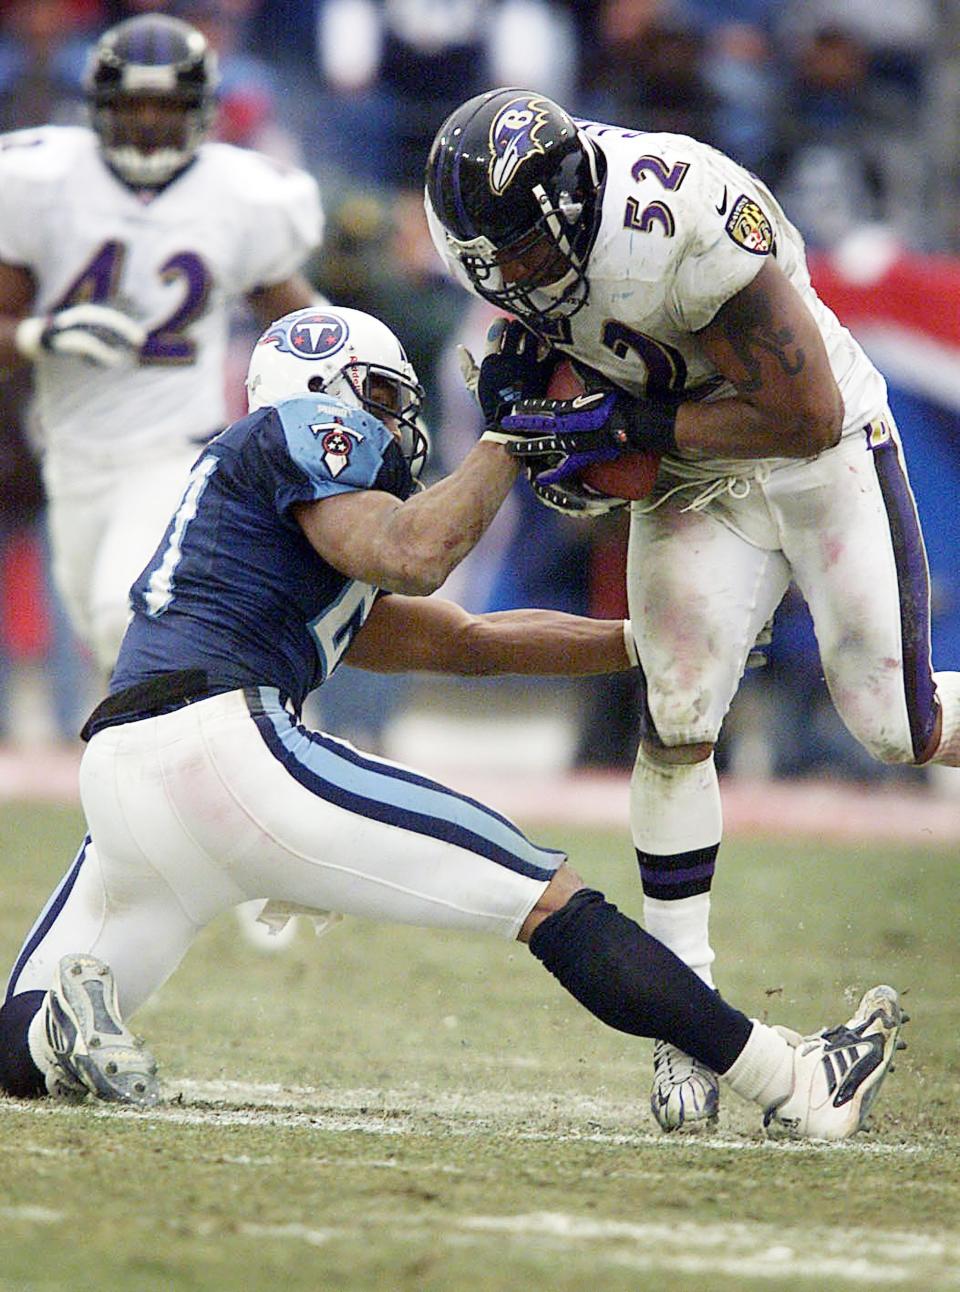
545	1116
31	1215
740	1249
302	1233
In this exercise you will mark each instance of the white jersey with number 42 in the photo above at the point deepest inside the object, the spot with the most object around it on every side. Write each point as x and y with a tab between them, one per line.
232	221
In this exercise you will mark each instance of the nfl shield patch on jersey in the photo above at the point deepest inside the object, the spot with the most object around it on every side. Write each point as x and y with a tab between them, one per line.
749	227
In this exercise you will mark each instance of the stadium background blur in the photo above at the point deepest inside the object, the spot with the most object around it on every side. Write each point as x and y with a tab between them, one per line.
849	109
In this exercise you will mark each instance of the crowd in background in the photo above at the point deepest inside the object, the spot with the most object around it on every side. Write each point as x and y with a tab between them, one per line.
849	109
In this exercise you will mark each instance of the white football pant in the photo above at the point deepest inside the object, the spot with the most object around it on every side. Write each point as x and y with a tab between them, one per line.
106	520
228	799
702	584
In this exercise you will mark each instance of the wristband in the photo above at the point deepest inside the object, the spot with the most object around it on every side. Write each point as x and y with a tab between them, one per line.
652	426
27	336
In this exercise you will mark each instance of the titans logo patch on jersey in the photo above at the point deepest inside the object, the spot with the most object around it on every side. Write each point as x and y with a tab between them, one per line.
513	139
749	227
337	443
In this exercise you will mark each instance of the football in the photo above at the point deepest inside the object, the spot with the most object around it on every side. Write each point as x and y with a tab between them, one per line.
630	476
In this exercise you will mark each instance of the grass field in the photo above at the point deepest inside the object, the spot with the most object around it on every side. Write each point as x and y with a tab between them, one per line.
393	1109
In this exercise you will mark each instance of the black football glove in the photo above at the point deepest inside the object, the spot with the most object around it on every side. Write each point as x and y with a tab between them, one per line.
515	366
573	498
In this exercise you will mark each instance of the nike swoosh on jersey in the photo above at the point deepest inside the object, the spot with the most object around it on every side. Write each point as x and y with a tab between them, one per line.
722	205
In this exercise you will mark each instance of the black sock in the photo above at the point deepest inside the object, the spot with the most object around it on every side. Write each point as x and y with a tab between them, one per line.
19	1075
632	982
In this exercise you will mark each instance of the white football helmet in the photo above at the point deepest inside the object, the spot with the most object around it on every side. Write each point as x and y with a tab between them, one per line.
347	354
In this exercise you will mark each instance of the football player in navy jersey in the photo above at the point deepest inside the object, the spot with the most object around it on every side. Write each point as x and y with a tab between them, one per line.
301	540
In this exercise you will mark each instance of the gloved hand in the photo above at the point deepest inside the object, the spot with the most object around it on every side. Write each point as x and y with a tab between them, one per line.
571	467
96	333
599	424
573	498
516	366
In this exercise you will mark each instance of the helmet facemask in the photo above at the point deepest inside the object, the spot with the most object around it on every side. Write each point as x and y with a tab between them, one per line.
389	395
129	150
538	274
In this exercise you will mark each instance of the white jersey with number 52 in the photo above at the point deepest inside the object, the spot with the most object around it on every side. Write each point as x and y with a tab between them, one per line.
232	221
685	228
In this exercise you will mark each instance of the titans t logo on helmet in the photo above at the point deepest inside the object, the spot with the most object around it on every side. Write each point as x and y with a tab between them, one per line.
317	336
513	138
310	336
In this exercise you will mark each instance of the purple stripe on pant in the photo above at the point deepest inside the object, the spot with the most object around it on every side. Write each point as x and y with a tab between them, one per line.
913	578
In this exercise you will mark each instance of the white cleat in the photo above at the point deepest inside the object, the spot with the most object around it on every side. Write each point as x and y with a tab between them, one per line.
93	1050
837	1073
685	1093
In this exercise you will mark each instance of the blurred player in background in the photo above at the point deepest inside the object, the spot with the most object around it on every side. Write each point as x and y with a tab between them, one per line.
674	274
201	787
121	248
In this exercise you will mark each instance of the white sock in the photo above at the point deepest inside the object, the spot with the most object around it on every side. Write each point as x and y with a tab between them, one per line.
763	1070
948	693
37	1042
674	808
683	926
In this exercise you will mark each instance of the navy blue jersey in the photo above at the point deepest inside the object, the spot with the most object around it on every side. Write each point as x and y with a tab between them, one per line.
235	587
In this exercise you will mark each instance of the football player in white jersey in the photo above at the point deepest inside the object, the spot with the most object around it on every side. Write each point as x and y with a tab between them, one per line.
302	540
121	250
675	276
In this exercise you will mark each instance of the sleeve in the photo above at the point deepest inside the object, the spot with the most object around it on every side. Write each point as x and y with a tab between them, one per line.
19	225
284	223
723	253
312	450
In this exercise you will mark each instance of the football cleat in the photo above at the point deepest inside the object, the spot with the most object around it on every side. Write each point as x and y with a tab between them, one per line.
685	1093
94	1052
837	1074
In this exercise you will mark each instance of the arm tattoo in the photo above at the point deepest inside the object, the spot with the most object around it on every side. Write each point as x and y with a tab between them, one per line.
749	328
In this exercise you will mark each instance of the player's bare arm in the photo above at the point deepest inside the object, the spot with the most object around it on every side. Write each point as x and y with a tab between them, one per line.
411	546
17	290
273	301
431	634
765	341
